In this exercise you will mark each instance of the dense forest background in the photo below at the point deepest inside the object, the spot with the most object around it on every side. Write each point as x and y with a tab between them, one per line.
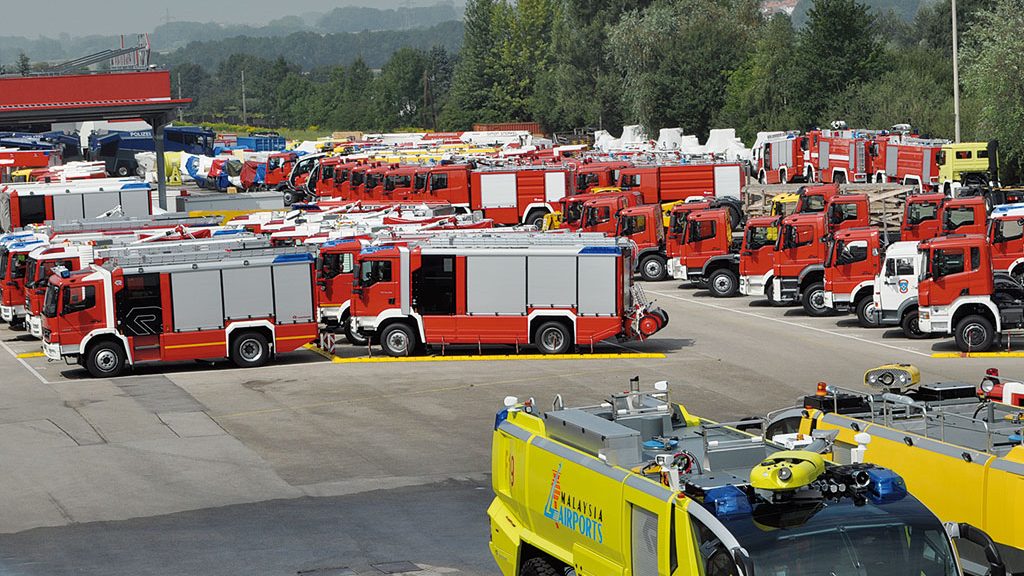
696	64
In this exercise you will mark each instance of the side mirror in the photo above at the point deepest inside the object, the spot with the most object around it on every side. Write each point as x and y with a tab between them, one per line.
964	531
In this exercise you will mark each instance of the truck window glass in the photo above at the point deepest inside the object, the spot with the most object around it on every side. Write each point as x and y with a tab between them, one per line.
975	258
604	214
903	266
421	181
326	172
573	211
814	203
677	222
714	557
848	211
340	176
706	230
374	271
920	212
274	163
982	153
757	238
644	541
854	252
948	262
78	298
50	301
357	178
372	180
18	266
629	181
963	154
438	181
801	236
401	182
958	217
1008	230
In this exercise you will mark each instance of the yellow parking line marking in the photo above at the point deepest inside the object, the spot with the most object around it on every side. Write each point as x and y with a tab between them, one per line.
496	358
318	351
30	355
978	355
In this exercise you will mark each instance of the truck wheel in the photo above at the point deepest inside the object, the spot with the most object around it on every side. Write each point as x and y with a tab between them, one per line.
538	567
974	334
535	218
813	300
652	268
761	178
867	314
398	340
911	329
122	170
354	337
723	283
105	359
290	197
249	350
553	338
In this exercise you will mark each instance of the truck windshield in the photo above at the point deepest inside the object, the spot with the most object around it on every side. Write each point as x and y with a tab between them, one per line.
918	213
844	539
3	262
573	212
50	301
30	272
813	203
18	264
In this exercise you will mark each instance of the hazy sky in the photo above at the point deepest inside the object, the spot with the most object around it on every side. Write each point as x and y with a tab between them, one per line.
82	18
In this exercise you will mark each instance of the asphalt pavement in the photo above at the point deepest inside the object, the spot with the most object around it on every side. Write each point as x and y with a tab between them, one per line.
314	466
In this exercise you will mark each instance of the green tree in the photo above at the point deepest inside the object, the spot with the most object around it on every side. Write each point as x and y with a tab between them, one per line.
24	64
676	58
470	98
400	96
839	49
993	50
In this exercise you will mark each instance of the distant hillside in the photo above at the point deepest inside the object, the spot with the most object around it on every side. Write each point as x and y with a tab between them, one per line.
313	50
905	8
175	35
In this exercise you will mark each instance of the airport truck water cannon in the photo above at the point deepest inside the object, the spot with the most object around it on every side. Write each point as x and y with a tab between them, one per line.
853	262
529	291
960	452
246	305
638	485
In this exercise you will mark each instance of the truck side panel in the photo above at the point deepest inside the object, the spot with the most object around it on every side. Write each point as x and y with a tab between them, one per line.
251	294
495	285
597	288
197	300
293	294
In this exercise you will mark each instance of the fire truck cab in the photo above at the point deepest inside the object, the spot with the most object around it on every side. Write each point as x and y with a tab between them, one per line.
968	163
595	211
853	262
14	258
799	260
553	292
643	226
708	253
637	485
757	256
959	294
930	215
279	166
895	289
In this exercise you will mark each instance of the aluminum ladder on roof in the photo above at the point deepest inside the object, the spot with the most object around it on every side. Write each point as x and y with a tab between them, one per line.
523	239
58	227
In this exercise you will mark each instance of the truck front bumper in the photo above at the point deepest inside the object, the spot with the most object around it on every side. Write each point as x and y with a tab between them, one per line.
751	286
52	351
9	313
934	319
838	302
676	269
35	325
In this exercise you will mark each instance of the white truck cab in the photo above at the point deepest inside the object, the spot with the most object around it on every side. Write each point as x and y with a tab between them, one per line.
896	288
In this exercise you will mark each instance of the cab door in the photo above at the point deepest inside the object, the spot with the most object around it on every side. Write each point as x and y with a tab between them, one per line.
378	286
1007	239
899	281
82	310
758	249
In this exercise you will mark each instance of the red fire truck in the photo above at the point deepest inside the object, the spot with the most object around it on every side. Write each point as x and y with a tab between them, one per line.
14	257
708	253
930	215
799	259
670	183
246	305
590	175
854	260
35	203
279	166
959	294
598	212
13	159
758	255
906	160
303	171
784	159
840	155
523	293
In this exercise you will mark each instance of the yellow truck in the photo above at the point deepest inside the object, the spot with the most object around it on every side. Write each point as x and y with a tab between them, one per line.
966	164
960	451
637	486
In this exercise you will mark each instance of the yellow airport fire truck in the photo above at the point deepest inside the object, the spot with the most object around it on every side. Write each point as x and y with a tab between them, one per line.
958	446
637	486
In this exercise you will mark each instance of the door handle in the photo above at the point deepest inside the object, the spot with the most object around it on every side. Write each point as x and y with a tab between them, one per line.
391	300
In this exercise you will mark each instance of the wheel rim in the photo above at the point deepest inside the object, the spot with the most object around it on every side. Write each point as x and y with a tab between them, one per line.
871	314
552	339
974	335
250	350
722	284
915	328
398	341
106	360
817	300
653	268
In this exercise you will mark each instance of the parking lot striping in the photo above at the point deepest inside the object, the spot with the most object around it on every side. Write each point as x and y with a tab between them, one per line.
25	364
498	357
796	324
31	355
978	355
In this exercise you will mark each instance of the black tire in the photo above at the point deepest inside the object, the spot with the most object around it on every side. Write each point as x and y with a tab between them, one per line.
398	340
974	334
105	359
354	337
653	268
122	171
535	218
723	283
538	567
813	300
839	178
290	197
911	329
250	350
762	179
735	218
1018	275
809	176
552	338
867	314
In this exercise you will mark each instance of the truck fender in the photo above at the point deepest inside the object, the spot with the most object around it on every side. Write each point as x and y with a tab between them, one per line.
1014	265
716	261
984	301
811	270
551	313
843	171
867	284
906	305
534	206
235	326
416	320
129	358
